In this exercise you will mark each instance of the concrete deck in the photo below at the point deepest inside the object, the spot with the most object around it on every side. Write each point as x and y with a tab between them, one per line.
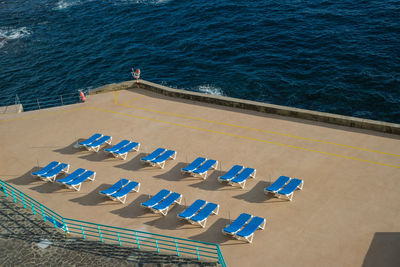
346	215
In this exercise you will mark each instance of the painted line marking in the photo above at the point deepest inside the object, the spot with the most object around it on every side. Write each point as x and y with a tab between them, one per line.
260	130
245	137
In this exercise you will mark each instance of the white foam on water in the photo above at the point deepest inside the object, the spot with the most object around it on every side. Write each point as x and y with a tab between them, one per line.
209	89
8	33
64	4
12	33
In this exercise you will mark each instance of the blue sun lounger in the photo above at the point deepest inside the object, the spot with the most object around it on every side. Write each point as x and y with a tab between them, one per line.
204	168
277	185
290	188
124	191
77	182
247	233
192	209
52	174
116	147
123	152
115	187
90	140
156	198
232	173
160	160
167	203
194	165
237	224
242	177
46	169
201	217
75	174
95	146
153	155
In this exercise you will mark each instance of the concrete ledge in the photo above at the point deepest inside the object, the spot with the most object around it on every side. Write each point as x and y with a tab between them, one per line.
348	121
11	109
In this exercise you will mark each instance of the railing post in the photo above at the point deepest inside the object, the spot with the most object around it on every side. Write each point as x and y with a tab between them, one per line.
119	240
137	240
83	233
62	103
197	251
44	216
158	249
23	200
65	227
101	237
37	100
4	188
54	221
33	208
13	194
176	245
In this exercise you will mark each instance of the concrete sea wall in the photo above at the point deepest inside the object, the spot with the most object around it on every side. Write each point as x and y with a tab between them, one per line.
348	121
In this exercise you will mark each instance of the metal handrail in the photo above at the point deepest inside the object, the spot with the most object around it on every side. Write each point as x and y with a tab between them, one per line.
121	236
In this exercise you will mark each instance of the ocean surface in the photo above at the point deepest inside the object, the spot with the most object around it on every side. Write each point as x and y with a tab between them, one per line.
334	56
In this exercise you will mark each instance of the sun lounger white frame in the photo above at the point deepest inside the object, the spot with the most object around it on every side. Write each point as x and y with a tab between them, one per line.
204	174
243	183
290	195
164	211
78	186
53	178
125	155
162	164
97	148
250	237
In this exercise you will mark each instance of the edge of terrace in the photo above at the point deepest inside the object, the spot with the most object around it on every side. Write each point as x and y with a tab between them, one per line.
378	126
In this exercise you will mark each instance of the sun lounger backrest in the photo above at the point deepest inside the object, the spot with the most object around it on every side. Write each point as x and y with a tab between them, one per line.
72	176
231	173
100	141
118	146
290	187
243	175
168	201
59	168
163	157
154	154
115	187
251	227
194	165
204	212
193	209
156	198
47	168
237	224
127	148
81	178
278	184
206	166
126	189
90	139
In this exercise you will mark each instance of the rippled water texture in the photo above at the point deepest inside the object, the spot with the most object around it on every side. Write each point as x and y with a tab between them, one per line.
339	57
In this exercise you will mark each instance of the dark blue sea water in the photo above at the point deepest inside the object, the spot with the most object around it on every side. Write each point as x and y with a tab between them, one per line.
334	56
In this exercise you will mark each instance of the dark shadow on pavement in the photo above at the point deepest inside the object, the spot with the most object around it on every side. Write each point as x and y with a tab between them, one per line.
49	187
70	149
95	156
211	183
255	194
168	222
94	197
26	178
212	232
174	174
133	210
384	250
133	164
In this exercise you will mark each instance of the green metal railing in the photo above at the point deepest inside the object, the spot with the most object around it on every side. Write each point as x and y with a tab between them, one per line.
123	237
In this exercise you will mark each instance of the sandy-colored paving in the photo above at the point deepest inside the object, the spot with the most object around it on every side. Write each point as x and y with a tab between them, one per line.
350	202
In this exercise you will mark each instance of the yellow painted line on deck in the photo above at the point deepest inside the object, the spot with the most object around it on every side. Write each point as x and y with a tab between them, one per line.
258	130
130	101
245	137
41	115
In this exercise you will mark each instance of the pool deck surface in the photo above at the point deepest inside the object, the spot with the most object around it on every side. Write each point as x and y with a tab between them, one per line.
347	214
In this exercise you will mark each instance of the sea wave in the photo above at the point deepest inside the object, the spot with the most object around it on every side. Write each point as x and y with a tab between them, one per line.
209	89
7	33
